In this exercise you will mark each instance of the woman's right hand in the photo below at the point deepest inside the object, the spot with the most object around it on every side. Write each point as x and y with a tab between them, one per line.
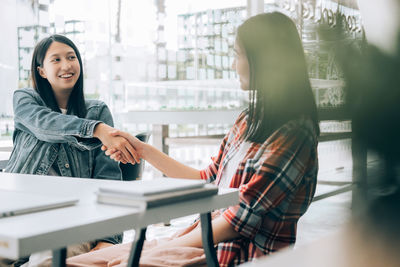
117	155
115	142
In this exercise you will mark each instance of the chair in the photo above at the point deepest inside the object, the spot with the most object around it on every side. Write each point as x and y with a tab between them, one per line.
3	164
134	172
334	114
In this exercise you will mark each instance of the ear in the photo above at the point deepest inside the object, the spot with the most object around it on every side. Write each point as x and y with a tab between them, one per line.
41	72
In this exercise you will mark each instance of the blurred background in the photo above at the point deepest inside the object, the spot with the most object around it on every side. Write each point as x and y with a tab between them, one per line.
166	55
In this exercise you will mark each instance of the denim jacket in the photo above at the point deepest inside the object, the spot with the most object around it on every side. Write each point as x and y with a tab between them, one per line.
43	137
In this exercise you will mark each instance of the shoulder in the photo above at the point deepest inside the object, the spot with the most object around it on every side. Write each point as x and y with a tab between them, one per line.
298	130
303	125
27	93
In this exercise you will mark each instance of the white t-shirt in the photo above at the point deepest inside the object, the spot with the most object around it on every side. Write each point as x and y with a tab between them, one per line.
52	170
232	165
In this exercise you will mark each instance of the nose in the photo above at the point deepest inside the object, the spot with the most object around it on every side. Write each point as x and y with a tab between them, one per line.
66	65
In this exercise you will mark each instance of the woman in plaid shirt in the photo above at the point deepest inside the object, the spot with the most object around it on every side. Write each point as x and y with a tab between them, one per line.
270	153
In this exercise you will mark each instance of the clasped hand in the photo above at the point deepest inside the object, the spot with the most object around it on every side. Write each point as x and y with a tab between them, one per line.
118	145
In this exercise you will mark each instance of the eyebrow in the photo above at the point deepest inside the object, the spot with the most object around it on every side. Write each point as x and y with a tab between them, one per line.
57	55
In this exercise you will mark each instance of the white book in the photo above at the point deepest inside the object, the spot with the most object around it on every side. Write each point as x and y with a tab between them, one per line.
152	187
161	197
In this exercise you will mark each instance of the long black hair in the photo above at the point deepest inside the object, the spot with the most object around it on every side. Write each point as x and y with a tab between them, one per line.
279	85
76	102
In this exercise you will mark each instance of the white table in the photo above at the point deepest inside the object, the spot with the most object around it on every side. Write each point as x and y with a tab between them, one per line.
55	229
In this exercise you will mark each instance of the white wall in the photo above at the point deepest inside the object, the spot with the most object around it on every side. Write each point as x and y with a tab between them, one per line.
8	55
381	22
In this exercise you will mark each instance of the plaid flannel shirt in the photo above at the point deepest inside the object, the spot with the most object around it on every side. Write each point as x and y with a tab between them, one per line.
276	181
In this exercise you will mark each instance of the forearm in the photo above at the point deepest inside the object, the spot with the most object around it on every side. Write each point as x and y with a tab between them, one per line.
222	231
55	128
168	165
40	121
158	159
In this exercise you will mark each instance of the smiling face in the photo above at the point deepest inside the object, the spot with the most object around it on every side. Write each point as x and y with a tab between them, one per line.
61	68
241	66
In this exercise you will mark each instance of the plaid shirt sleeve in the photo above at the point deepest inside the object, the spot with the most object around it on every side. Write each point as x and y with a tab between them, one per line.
210	173
279	171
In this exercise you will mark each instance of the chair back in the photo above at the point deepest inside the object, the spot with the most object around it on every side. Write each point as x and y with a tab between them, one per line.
134	172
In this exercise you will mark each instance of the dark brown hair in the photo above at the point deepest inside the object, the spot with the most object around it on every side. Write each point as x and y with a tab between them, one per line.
279	86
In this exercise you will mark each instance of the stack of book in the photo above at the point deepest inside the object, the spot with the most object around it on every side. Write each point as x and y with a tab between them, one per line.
156	192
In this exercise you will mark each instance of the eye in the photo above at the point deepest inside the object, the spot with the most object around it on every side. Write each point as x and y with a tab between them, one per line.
56	59
72	57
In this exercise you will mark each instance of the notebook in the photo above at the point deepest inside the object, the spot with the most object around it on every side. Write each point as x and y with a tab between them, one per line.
15	203
156	199
152	187
157	192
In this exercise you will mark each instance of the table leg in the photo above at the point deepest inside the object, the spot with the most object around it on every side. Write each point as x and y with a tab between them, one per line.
207	237
137	248
359	155
59	256
160	133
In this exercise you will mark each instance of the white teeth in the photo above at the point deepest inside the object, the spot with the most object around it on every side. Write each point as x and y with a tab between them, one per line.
66	75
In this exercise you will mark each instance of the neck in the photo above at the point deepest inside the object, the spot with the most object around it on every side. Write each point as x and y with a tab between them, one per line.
62	99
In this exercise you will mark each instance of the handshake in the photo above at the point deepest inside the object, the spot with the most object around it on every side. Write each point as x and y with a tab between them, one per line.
119	145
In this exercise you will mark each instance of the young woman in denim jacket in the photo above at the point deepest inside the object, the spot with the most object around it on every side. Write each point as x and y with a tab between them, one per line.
58	132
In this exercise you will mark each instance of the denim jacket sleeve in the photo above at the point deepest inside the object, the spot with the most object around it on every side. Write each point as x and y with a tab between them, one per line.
115	239
31	115
104	167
